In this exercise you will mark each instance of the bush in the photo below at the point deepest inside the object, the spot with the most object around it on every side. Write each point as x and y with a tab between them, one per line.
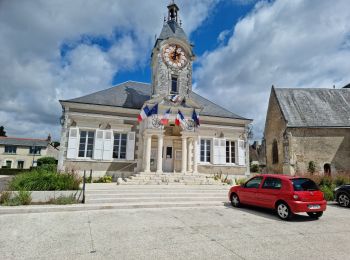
240	181
104	179
5	196
21	198
42	179
254	168
328	192
62	200
326	181
46	161
341	180
311	167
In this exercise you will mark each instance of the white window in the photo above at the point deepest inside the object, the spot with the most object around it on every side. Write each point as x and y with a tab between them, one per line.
230	152
86	144
205	150
119	146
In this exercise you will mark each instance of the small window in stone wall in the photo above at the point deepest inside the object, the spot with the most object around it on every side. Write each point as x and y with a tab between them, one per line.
274	152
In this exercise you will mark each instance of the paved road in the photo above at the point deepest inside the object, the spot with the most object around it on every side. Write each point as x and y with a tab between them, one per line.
215	232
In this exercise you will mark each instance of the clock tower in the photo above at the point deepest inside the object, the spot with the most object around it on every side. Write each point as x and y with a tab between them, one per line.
172	58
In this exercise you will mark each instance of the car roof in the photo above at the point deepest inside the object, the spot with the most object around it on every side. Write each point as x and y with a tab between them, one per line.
280	176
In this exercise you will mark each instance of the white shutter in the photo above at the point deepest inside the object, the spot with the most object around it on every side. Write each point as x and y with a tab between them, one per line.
108	145
98	145
73	143
241	152
222	151
216	151
130	146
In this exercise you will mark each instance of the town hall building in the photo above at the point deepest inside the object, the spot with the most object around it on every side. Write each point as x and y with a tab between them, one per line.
180	132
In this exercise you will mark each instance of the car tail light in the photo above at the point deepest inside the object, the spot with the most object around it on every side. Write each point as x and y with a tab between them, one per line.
295	197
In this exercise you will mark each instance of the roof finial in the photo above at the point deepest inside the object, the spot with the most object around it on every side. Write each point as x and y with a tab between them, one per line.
172	11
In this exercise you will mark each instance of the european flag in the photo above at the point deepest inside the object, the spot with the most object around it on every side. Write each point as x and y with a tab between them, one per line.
195	118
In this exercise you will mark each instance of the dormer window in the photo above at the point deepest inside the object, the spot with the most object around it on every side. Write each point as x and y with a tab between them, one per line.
174	86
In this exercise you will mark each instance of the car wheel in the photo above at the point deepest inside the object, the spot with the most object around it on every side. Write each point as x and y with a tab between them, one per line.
283	211
315	215
344	200
235	200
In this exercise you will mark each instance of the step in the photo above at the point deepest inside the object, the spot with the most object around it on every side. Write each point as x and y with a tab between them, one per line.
154	199
104	206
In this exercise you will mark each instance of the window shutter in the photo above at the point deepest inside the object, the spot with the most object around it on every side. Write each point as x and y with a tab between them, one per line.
73	143
130	146
216	151
108	145
222	151
241	152
98	146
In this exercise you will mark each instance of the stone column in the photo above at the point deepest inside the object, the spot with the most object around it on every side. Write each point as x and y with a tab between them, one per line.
189	155
147	159
184	154
159	155
195	155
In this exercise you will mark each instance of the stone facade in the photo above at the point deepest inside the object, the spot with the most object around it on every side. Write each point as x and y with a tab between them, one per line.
298	146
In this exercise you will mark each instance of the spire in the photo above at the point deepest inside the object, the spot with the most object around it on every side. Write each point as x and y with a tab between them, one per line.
172	11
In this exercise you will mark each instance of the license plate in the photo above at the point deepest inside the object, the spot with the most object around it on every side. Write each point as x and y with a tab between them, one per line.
314	206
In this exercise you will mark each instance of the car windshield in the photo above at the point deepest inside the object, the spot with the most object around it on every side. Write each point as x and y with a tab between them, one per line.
303	184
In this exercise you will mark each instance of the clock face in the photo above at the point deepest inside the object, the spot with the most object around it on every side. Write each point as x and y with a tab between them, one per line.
175	56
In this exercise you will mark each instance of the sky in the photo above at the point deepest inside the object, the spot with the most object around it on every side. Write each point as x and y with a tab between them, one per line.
63	49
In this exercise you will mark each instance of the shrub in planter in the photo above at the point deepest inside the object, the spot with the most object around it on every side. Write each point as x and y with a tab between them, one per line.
104	179
21	198
62	200
254	168
240	181
42	179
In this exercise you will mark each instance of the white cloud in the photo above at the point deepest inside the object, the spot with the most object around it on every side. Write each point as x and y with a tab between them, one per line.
286	43
34	75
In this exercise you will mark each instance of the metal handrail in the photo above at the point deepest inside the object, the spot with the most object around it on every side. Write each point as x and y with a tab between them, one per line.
84	180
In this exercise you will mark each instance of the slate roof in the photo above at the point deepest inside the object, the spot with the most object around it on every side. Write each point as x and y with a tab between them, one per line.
314	107
172	29
23	141
133	95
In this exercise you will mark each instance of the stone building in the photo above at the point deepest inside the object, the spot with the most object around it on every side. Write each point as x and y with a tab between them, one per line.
308	127
22	153
100	131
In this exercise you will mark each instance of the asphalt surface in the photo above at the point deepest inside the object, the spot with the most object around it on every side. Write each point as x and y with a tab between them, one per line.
214	232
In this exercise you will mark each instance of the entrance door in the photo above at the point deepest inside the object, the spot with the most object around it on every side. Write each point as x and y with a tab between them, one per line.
168	158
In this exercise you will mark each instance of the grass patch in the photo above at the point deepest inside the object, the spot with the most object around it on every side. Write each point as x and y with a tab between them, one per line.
21	198
63	200
45	179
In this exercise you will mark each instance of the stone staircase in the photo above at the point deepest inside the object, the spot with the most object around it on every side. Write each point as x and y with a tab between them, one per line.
115	196
169	178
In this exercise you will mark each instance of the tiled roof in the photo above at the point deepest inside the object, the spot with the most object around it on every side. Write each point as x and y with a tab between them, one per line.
133	95
315	107
23	141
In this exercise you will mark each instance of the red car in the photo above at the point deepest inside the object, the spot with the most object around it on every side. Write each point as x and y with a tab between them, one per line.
287	194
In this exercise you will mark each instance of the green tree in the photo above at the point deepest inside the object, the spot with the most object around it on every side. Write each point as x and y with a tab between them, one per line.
2	131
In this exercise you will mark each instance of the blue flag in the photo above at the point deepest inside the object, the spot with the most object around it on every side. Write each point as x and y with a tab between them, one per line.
195	118
154	110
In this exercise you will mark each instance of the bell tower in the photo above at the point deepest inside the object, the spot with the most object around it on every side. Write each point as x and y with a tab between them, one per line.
172	58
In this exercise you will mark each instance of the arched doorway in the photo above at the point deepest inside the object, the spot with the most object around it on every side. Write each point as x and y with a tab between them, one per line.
327	169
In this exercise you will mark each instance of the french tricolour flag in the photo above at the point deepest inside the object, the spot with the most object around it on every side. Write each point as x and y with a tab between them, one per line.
180	119
165	119
144	113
